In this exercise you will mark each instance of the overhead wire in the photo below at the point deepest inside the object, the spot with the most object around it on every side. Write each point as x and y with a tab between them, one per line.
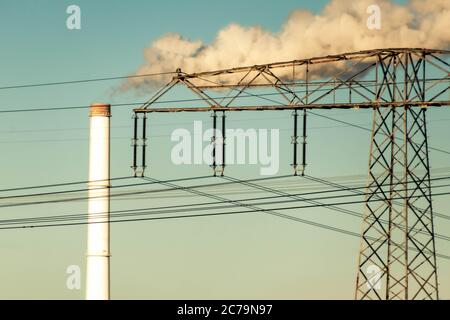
336	185
265	188
254	209
332	207
133	193
195	205
57	83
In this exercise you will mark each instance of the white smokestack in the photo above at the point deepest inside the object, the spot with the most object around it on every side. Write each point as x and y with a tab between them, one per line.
97	275
340	27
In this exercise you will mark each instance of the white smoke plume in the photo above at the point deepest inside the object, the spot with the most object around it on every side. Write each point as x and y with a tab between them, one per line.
341	27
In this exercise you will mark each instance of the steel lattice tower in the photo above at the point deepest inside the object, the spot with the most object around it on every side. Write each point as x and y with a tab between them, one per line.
397	258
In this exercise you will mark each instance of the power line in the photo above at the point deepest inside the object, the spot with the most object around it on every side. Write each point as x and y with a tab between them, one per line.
182	208
333	184
147	183
324	226
255	209
171	124
178	179
146	191
63	184
366	129
86	189
195	207
135	192
57	83
332	207
348	124
251	206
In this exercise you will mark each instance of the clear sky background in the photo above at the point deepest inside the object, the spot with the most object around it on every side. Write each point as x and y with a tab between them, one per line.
250	256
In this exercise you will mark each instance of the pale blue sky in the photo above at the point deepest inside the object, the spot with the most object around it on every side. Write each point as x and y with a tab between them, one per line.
223	257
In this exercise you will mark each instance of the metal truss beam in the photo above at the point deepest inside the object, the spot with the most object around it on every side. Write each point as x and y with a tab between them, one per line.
367	105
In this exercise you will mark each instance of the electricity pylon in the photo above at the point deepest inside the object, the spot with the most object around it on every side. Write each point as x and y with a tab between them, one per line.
397	258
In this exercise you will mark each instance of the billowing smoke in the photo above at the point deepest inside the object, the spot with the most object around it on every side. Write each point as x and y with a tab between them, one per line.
340	27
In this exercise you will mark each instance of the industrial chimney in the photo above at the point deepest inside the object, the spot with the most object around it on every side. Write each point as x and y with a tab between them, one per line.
98	254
